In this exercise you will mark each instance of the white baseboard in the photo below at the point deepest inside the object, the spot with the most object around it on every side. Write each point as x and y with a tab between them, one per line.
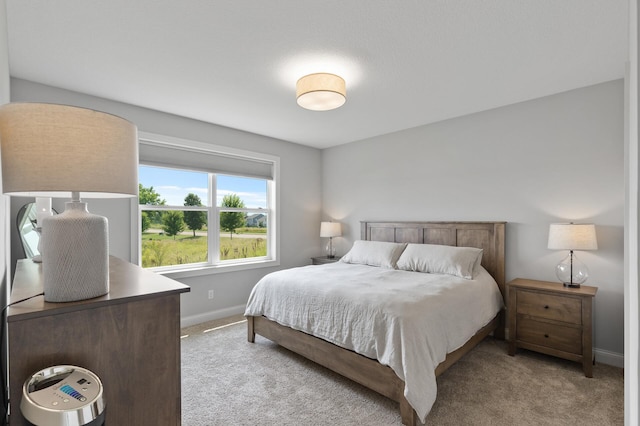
609	358
213	315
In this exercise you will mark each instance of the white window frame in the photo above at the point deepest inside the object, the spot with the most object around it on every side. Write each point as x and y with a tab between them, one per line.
214	265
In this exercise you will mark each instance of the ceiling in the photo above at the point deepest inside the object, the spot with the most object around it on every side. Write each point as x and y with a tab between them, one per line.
235	62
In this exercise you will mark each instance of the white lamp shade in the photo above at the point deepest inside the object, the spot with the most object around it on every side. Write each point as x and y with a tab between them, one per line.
321	92
330	229
52	150
572	236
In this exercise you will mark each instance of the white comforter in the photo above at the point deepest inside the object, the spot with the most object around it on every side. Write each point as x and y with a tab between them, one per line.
406	320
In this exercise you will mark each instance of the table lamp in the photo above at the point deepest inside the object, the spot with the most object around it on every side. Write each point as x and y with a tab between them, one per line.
330	229
572	236
53	150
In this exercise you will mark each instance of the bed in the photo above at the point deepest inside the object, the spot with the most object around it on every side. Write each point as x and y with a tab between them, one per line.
384	377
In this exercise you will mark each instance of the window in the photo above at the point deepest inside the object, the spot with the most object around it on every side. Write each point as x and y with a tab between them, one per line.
242	210
204	207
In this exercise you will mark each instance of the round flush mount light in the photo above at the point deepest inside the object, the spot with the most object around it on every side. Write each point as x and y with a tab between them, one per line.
321	91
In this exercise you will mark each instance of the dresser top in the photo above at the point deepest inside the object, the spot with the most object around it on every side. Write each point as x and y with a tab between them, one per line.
583	290
127	283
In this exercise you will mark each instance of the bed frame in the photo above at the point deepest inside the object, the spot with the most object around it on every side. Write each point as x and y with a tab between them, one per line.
488	236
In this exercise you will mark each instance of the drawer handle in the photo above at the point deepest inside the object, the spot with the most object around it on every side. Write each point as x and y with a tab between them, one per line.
546	306
546	335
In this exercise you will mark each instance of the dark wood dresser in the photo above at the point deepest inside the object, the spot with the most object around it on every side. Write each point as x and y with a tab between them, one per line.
129	337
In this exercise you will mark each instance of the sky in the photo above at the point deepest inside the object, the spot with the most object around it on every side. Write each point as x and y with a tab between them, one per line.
173	186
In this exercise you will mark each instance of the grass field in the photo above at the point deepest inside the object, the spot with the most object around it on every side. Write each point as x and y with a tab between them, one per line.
161	250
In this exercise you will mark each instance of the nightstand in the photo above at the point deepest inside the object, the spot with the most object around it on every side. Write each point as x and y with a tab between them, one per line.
552	319
323	260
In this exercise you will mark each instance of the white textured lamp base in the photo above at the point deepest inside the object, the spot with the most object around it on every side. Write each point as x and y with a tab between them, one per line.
75	255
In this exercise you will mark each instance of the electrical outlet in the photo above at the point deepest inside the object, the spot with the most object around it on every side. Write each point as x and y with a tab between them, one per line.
210	294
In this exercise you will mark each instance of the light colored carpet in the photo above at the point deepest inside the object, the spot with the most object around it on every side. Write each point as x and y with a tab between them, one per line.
228	381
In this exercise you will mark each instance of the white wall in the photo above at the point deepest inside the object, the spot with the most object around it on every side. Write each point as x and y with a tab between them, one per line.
300	189
4	203
559	158
632	222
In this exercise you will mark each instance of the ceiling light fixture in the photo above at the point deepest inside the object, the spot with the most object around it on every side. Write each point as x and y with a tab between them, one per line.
321	92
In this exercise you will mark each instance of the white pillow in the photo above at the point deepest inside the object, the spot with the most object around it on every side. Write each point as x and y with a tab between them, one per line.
458	261
374	253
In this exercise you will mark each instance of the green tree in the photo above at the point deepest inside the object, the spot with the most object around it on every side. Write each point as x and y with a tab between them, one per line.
230	221
149	197
173	223
145	222
194	220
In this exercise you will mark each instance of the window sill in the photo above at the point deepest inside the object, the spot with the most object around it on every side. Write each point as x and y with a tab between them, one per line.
197	271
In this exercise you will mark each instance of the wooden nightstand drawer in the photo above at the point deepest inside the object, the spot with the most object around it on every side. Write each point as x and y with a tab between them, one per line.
563	338
549	306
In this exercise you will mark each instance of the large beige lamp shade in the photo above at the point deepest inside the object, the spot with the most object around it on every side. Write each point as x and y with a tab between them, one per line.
321	91
572	236
53	150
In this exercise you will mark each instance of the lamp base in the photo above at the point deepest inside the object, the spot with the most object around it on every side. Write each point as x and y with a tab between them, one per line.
571	285
571	272
75	255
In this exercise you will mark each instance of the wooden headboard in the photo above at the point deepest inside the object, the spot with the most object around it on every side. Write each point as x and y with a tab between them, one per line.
488	236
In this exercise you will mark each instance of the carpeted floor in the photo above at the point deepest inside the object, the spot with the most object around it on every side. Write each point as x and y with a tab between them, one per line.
228	381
